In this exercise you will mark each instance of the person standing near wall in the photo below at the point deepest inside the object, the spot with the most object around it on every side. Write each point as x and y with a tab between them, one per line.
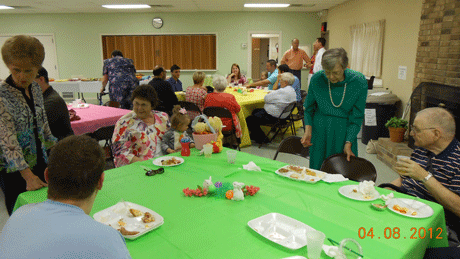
319	47
294	58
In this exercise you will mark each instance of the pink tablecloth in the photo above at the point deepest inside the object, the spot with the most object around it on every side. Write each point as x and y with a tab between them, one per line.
94	117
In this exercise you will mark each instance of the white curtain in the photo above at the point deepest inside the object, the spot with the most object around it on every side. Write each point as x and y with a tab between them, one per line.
367	48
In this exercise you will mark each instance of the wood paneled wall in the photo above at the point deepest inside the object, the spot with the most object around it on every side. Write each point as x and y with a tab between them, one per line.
147	51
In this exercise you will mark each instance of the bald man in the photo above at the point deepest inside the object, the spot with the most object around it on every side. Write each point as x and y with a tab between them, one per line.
294	58
433	171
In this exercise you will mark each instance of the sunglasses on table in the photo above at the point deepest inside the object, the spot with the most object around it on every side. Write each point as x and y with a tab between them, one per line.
151	172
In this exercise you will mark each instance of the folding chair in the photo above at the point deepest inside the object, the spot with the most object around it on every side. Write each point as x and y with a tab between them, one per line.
105	133
222	112
300	112
280	124
189	106
292	145
357	169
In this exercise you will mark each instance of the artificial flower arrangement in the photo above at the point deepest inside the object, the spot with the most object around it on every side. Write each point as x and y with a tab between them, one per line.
236	191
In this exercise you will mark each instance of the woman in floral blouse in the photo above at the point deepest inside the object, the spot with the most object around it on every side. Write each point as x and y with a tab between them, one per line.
138	134
25	135
235	77
197	93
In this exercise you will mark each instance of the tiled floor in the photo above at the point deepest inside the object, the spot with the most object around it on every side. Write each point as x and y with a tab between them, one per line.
384	173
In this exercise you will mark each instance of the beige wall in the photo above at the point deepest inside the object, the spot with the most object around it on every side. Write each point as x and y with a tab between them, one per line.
400	41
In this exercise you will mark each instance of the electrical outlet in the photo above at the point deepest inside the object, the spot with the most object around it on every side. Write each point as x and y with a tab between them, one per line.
402	72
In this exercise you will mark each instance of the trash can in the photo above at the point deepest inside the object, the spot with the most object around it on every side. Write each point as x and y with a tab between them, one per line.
380	107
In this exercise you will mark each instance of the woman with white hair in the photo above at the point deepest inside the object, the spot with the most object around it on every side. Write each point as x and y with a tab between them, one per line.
275	103
334	109
221	99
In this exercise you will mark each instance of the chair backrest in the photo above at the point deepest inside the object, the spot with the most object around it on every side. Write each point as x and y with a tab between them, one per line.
358	169
292	145
112	104
103	133
189	106
370	82
288	110
210	89
220	112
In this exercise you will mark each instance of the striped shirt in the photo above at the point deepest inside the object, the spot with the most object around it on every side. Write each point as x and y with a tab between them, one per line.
445	168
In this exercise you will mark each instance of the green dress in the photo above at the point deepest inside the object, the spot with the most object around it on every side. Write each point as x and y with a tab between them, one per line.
331	126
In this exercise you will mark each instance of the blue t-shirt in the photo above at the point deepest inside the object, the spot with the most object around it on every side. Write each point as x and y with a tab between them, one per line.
272	76
176	85
53	229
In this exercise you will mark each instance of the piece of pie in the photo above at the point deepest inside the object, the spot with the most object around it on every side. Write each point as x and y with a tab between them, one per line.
148	218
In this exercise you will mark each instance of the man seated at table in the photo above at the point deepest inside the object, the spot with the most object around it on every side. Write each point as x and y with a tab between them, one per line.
174	81
166	96
433	171
60	226
296	85
272	75
55	107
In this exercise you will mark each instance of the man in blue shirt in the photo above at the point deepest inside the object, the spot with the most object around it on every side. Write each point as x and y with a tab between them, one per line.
296	85
272	76
60	227
174	79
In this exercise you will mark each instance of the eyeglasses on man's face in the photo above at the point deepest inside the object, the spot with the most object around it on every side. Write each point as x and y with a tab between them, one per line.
415	129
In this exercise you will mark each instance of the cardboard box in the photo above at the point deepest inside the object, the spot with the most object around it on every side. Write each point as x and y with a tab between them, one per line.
387	151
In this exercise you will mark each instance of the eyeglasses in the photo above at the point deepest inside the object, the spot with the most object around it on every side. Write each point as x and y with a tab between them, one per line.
417	130
150	172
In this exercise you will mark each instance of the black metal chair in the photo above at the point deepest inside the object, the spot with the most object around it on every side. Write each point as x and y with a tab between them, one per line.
357	169
370	82
210	89
300	112
105	133
222	112
280	123
292	145
189	106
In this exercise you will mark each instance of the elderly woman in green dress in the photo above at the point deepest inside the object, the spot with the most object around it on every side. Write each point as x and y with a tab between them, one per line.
334	109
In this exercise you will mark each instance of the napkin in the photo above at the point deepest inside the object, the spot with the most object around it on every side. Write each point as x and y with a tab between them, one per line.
252	167
366	187
387	197
331	251
334	178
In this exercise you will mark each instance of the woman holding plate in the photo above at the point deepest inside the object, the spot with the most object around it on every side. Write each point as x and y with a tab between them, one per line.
334	109
138	134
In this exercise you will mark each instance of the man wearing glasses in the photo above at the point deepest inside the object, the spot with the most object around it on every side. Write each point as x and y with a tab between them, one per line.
433	171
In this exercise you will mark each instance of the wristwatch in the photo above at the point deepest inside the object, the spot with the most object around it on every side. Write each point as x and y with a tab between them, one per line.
427	177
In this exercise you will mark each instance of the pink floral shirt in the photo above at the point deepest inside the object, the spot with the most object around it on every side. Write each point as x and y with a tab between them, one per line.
133	137
197	96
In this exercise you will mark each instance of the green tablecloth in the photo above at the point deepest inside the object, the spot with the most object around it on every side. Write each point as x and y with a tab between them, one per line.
209	227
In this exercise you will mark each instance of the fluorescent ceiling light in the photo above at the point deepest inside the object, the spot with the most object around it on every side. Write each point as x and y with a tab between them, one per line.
266	5
5	7
126	6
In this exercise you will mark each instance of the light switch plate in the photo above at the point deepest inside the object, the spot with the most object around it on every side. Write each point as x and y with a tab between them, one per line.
402	72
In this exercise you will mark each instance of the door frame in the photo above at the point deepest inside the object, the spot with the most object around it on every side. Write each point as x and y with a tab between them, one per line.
280	55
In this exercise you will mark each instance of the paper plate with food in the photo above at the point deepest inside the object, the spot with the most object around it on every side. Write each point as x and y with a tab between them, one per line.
300	173
168	161
365	191
132	220
410	208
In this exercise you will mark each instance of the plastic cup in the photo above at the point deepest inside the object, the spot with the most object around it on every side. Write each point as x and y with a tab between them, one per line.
315	241
207	150
398	158
231	156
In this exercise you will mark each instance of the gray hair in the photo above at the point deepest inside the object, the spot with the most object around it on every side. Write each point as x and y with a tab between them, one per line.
288	78
219	82
440	118
333	56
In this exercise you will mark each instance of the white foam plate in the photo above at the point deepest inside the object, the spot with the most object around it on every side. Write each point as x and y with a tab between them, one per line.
281	229
302	175
422	210
163	158
120	211
348	191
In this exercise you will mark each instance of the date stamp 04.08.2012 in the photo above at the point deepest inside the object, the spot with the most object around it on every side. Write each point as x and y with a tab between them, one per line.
397	233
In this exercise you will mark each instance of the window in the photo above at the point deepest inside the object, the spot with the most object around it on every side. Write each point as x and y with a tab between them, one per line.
367	48
191	51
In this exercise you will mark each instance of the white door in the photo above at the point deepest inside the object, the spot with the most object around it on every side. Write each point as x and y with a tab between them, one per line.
50	62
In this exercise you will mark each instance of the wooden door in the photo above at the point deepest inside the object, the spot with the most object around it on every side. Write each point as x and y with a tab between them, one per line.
255	58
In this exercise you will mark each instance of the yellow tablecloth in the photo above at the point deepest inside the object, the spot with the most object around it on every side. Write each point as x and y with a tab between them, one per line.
248	103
